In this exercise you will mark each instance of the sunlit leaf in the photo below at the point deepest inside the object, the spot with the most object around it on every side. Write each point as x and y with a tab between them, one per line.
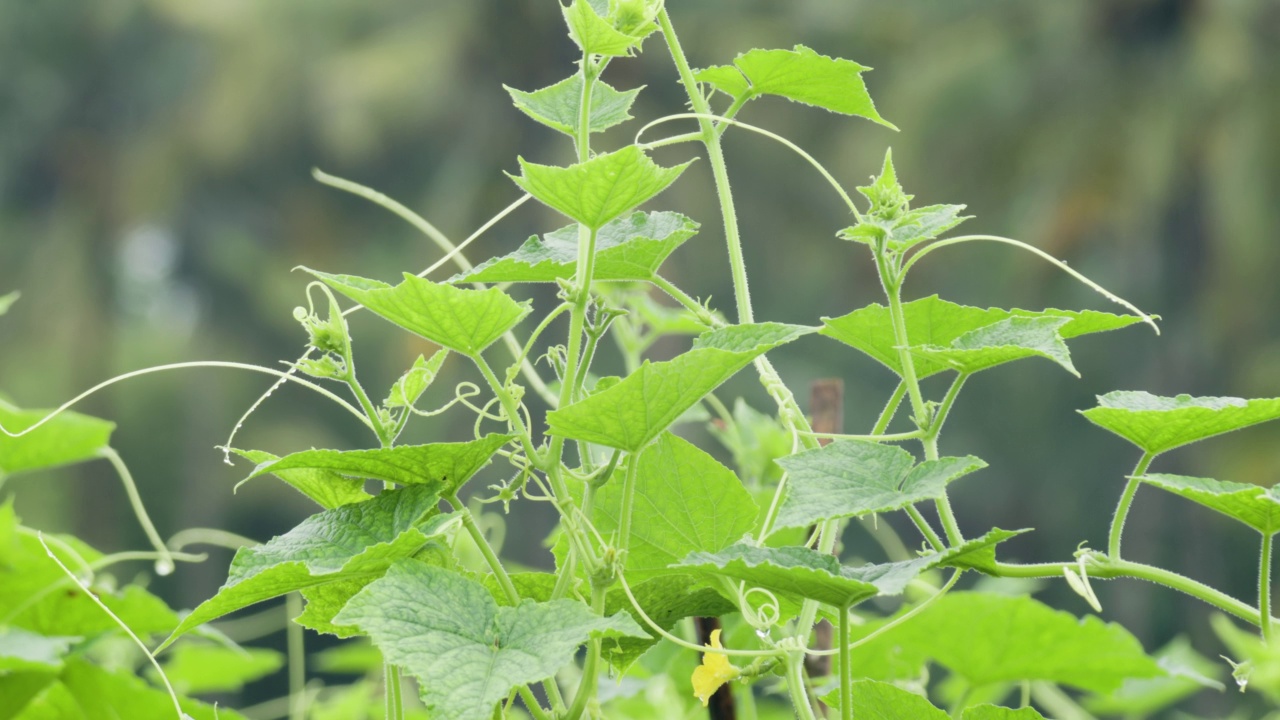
848	478
466	652
67	439
195	668
1010	339
801	75
935	323
596	35
22	650
637	409
1159	424
559	106
629	248
327	488
1253	505
352	542
601	189
415	381
875	700
467	321
106	695
445	466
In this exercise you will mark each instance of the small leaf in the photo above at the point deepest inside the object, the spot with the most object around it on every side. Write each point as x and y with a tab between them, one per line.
979	553
197	668
446	466
1253	505
415	381
327	488
559	106
628	248
597	36
7	301
601	189
801	75
467	321
347	543
685	501
466	652
637	409
22	651
875	700
995	712
933	322
67	439
1010	339
1159	424
849	478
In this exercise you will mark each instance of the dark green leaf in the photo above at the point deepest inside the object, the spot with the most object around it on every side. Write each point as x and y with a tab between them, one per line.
329	489
559	106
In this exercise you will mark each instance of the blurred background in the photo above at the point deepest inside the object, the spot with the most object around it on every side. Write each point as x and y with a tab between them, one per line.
155	192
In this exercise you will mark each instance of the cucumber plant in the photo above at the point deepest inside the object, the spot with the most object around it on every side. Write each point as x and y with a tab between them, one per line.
653	531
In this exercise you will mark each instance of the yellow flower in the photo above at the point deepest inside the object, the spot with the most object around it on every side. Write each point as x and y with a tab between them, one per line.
714	671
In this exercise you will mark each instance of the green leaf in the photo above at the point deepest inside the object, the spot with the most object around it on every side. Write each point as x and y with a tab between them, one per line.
67	439
685	501
597	36
801	75
666	600
1189	673
875	700
1011	339
351	542
601	189
443	465
628	248
196	668
1253	505
107	695
935	323
848	478
725	78
979	553
1159	424
559	106
995	712
7	301
415	381
636	410
36	595
21	650
993	638
329	489
466	652
466	321
24	692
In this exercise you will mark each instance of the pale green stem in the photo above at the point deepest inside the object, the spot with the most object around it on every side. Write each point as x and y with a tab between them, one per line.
890	409
896	621
1058	703
893	437
846	671
925	528
509	407
1126	500
681	642
591	668
164	564
796	687
958	706
297	655
1264	588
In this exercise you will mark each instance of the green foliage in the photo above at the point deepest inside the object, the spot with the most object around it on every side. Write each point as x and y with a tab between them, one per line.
208	668
559	106
1255	506
67	439
1159	424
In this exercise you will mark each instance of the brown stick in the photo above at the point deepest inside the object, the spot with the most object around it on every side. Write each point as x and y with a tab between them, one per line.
826	406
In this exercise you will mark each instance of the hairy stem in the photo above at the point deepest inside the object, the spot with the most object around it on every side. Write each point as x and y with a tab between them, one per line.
1264	587
1126	499
796	687
845	669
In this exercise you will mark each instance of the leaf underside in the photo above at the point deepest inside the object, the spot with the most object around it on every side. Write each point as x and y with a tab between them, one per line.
1159	424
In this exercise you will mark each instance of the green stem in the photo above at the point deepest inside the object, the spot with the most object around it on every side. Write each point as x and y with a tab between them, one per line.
845	669
297	655
392	690
796	687
890	409
1126	499
1264	588
164	563
591	668
925	528
628	502
509	407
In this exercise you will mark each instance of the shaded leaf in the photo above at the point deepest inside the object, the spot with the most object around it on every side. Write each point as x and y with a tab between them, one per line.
467	321
195	668
1253	505
601	189
466	652
348	543
875	700
666	600
329	489
67	439
106	695
628	248
1011	339
1188	673
559	106
636	410
849	478
934	322
1159	424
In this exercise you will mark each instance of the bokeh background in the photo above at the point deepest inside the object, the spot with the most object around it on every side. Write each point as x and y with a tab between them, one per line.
155	192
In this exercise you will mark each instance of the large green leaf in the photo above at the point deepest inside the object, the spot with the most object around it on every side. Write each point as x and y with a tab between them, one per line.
636	410
801	75
596	35
1253	505
68	438
21	650
326	487
559	106
628	248
36	595
466	321
446	466
988	638
106	695
1189	673
601	189
685	501
933	323
1159	424
25	692
849	478
666	600
1011	339
875	700
466	652
195	668
352	542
